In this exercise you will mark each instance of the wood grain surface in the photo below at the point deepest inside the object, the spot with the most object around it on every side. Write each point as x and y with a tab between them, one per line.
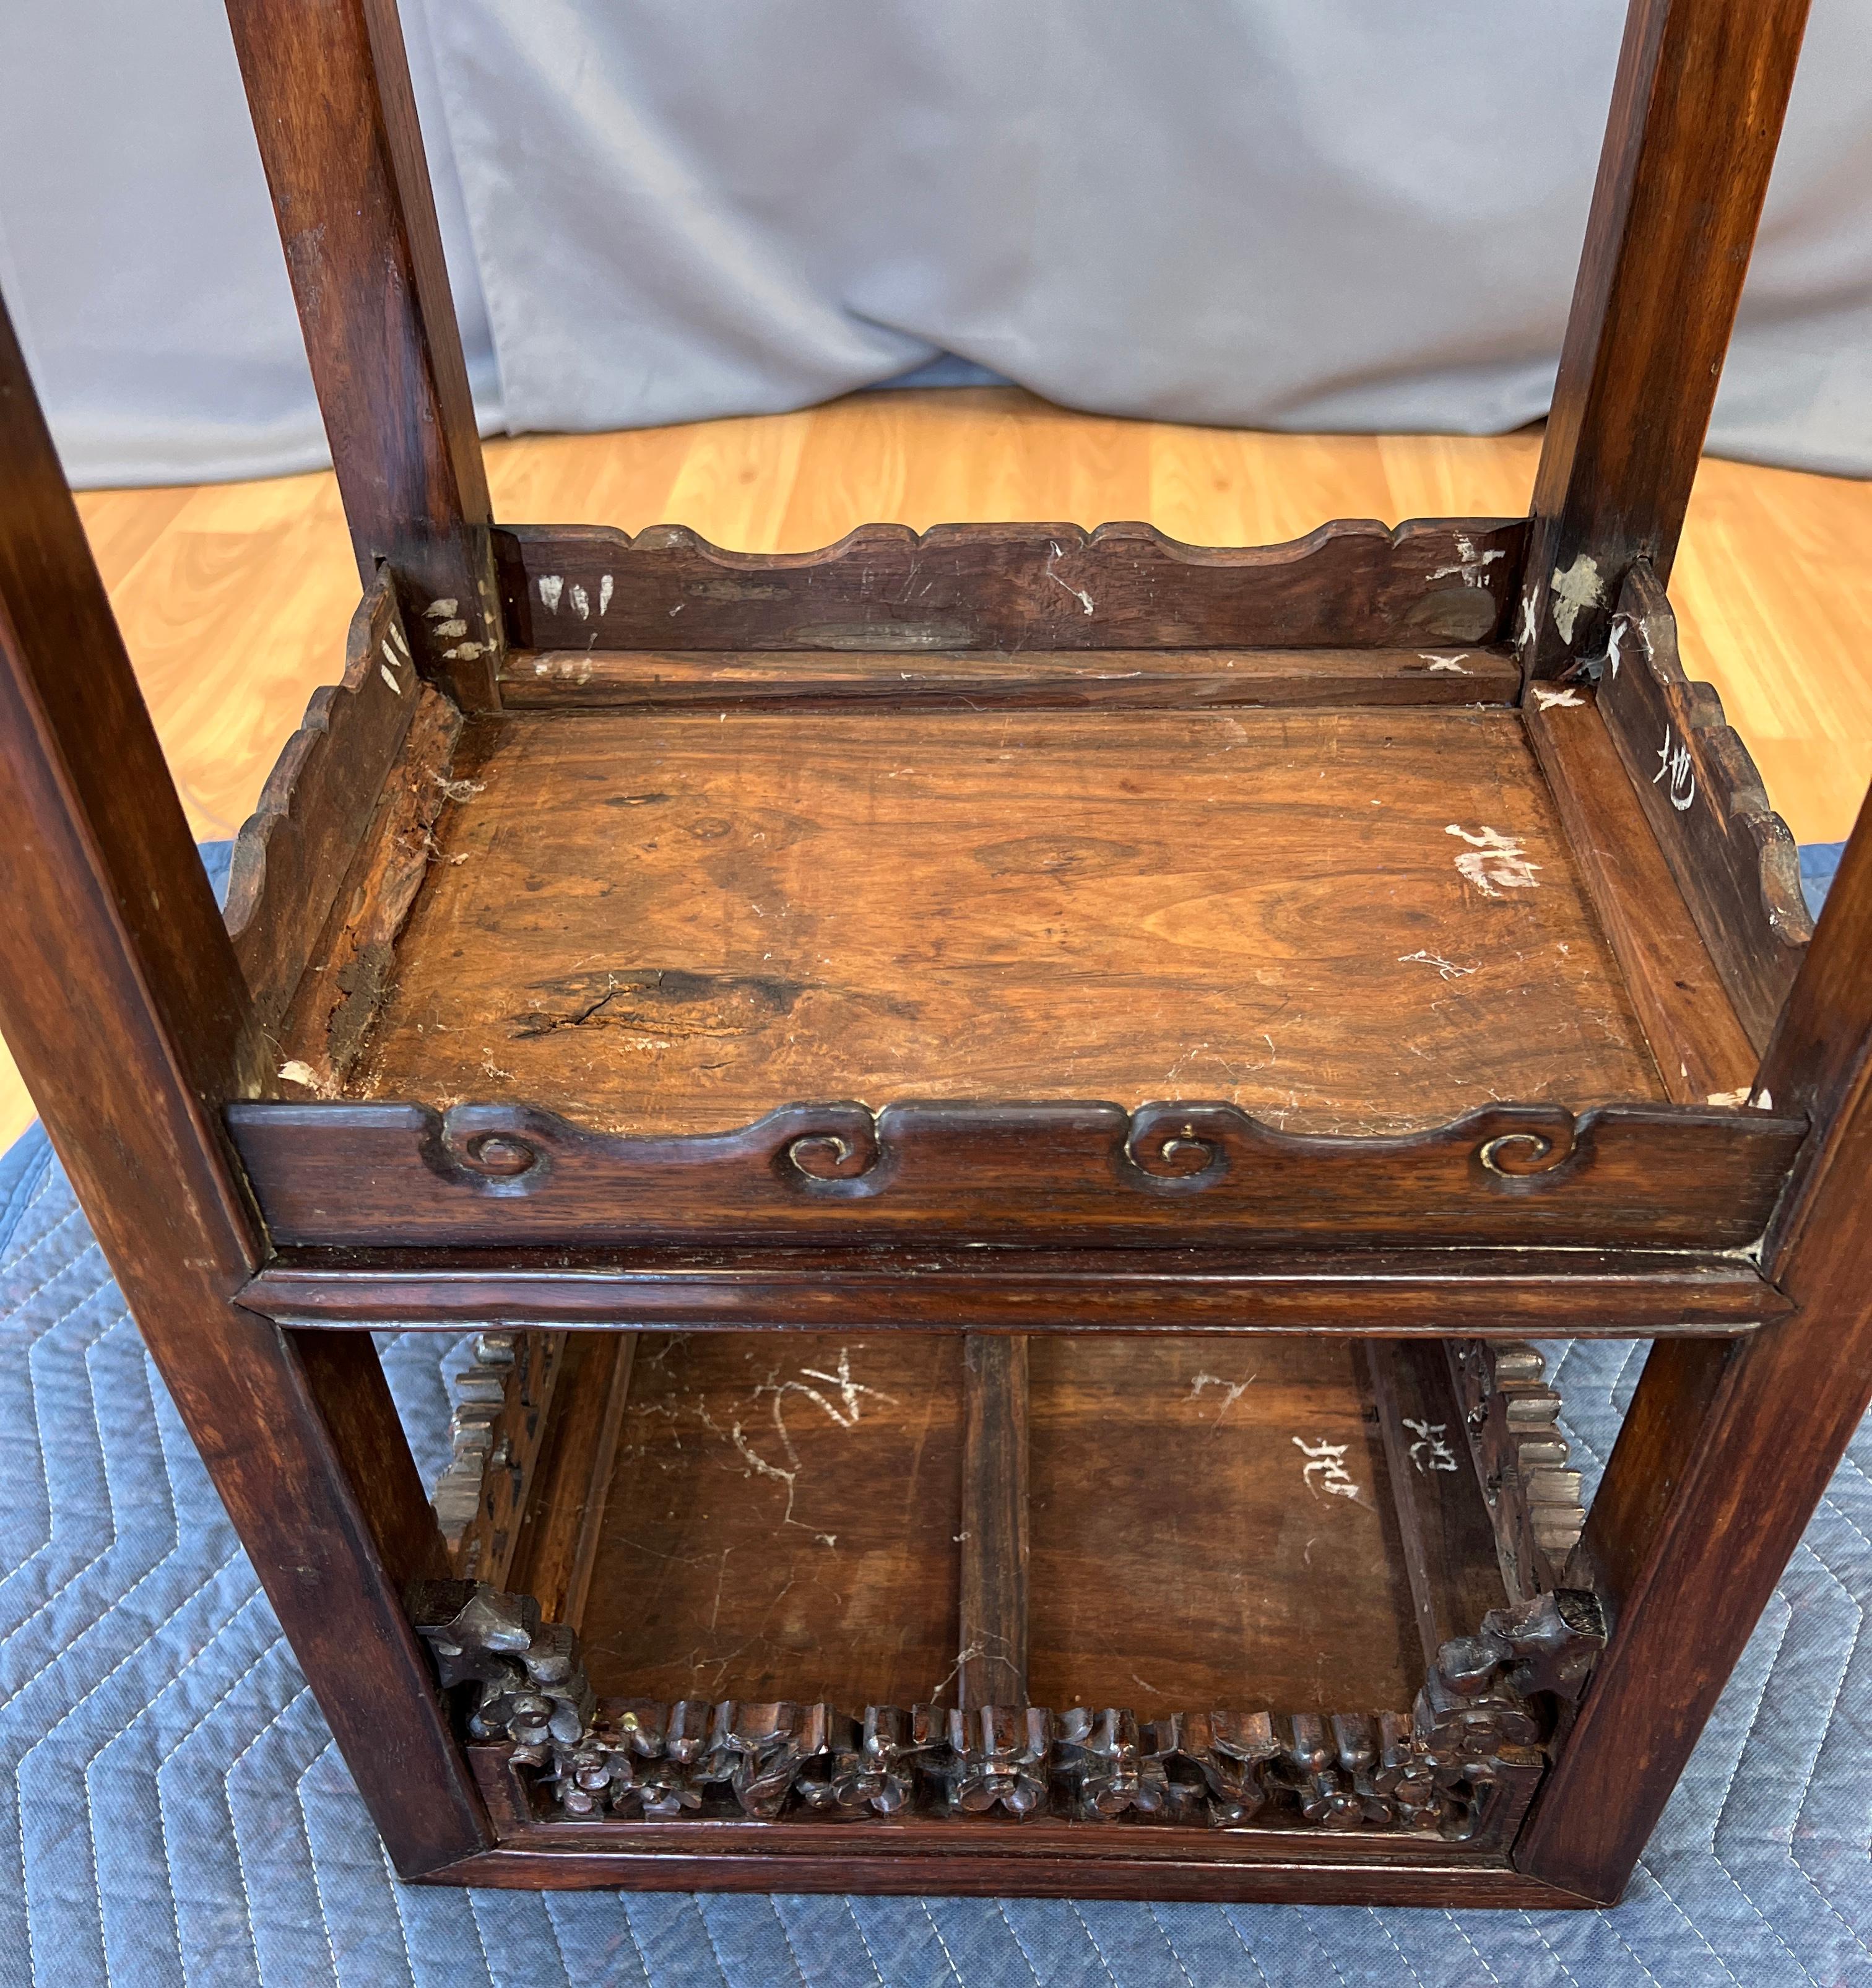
235	598
1157	905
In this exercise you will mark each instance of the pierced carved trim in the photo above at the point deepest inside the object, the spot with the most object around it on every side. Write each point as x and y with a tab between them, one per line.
501	1406
1461	1767
1511	1415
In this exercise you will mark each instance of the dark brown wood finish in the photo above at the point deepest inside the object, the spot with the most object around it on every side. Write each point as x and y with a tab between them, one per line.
1282	1875
1457	1771
1589	1294
992	1660
1657	1176
1735	864
125	1010
1443	1522
1352	584
1702	1052
350	961
963	680
1510	1413
1727	1450
293	852
1696	111
558	1545
328	86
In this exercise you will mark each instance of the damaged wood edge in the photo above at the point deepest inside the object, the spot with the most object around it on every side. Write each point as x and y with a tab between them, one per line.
347	969
1461	1767
826	679
1734	859
292	852
503	1409
1702	1052
1510	1415
1045	586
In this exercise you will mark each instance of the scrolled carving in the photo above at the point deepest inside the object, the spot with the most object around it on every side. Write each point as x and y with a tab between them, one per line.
1177	1146
500	1155
832	1155
1467	1756
1518	1156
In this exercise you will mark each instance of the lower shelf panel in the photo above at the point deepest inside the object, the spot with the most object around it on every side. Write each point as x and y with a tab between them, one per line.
795	1550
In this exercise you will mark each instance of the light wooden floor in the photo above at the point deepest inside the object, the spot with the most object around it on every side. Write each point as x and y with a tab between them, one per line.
234	598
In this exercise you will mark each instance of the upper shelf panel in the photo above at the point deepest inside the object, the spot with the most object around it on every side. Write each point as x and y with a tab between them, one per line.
1340	920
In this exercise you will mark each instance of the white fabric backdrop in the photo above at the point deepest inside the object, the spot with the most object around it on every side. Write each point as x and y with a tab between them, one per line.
1300	213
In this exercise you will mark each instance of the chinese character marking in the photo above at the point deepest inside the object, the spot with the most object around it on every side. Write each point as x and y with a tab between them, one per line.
1494	862
1329	1459
1430	1452
1674	759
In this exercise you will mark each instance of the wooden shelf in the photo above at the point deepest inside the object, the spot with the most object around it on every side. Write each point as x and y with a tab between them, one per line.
659	923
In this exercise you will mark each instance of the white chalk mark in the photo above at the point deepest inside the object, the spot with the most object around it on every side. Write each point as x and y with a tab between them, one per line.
1432	1451
1571	592
1674	758
1329	1459
1078	594
604	593
389	657
1232	1390
465	652
846	1412
390	680
581	602
449	631
1621	627
1546	699
1727	1100
295	1072
1494	862
1452	664
550	585
1447	969
395	635
439	610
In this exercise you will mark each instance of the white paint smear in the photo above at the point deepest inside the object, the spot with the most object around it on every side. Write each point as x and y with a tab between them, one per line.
550	585
1574	590
1473	570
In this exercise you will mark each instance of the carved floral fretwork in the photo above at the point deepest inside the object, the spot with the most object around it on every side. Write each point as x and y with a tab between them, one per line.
1472	1745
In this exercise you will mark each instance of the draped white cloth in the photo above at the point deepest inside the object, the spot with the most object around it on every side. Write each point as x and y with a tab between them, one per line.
1292	214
